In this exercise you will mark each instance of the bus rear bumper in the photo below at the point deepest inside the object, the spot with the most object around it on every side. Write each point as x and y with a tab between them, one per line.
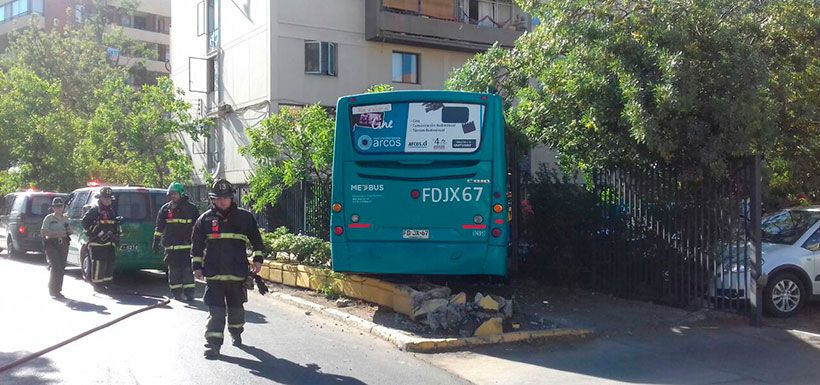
419	258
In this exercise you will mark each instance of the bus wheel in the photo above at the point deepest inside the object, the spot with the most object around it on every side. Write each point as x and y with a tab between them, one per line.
12	252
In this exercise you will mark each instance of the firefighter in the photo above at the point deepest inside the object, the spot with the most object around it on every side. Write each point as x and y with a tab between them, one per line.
103	229
55	232
173	233
222	235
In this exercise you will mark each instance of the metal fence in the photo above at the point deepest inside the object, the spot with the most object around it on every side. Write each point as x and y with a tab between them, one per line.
655	237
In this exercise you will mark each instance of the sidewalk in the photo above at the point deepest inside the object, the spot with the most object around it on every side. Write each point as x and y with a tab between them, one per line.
641	343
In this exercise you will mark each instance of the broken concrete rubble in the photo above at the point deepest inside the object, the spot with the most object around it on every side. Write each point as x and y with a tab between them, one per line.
442	312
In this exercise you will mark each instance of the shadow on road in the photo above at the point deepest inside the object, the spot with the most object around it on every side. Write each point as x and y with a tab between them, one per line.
282	371
254	317
30	373
86	307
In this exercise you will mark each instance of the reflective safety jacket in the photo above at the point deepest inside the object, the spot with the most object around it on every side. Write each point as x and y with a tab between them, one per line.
175	222
98	221
220	244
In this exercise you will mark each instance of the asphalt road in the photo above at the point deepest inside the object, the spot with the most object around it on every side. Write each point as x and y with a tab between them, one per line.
284	345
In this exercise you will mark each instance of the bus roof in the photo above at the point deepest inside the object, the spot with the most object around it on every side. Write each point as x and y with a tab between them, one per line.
418	95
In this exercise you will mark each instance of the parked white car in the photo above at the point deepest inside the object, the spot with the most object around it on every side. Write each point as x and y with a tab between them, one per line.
791	263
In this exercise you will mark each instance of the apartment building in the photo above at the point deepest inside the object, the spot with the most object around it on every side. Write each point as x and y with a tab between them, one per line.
241	60
150	23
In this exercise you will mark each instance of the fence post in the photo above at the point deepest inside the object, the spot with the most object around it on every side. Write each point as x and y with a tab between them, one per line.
755	235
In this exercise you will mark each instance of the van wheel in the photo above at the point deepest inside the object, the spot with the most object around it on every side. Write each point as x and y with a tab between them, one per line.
85	264
784	295
12	252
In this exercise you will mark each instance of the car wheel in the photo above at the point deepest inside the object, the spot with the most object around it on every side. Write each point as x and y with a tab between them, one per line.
12	252
784	295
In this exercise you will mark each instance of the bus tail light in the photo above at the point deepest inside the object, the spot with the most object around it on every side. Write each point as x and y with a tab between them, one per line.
499	221
337	207
354	218
338	230
22	229
414	194
498	208
496	233
478	219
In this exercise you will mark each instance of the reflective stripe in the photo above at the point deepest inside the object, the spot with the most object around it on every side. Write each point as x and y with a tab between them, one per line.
97	274
196	259
178	247
100	244
178	221
175	286
157	234
225	277
214	335
236	326
107	222
257	253
229	236
189	285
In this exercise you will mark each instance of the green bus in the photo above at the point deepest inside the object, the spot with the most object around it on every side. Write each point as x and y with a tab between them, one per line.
138	206
420	184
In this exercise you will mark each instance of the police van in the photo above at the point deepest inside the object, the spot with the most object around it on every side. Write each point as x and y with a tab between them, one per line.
138	207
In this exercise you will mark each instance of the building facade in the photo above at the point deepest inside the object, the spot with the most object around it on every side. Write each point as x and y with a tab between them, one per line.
149	23
241	60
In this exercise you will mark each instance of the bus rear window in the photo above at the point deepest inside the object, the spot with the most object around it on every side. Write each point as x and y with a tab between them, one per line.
424	127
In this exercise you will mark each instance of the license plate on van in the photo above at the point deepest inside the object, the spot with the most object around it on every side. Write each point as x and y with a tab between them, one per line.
415	234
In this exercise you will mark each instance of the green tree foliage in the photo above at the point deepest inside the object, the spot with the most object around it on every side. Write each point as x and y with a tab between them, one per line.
292	146
379	88
692	83
67	114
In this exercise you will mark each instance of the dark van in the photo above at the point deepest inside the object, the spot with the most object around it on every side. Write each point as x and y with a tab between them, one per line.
21	218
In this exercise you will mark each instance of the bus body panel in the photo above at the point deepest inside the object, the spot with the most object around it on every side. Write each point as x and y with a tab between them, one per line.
410	208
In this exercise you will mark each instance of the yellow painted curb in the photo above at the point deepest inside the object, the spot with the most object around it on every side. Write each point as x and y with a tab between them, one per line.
434	345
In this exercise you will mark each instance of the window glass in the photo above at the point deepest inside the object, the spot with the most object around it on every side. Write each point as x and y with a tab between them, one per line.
313	57
76	209
787	226
40	205
405	67
19	204
132	205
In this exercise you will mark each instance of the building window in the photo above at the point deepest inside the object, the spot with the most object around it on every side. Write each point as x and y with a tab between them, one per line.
162	52
320	58
140	22
405	67
78	13
213	24
489	13
163	25
125	20
19	7
213	74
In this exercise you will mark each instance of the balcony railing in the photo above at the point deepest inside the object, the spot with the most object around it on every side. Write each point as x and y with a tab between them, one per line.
484	13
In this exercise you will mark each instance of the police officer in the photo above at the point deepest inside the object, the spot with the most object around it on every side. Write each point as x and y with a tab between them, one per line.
55	232
175	222
102	227
223	234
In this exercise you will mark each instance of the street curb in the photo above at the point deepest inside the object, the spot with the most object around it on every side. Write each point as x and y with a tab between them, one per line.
408	342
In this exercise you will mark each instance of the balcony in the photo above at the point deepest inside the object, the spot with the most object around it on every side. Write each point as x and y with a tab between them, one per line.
461	25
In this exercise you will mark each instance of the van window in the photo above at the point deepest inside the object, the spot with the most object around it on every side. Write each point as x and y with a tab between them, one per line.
158	199
7	202
19	204
132	205
39	205
76	208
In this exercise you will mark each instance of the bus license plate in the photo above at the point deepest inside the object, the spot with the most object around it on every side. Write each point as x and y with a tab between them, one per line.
415	234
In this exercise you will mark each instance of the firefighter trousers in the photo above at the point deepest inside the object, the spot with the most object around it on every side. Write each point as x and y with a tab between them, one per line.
224	299
180	272
102	263
56	254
